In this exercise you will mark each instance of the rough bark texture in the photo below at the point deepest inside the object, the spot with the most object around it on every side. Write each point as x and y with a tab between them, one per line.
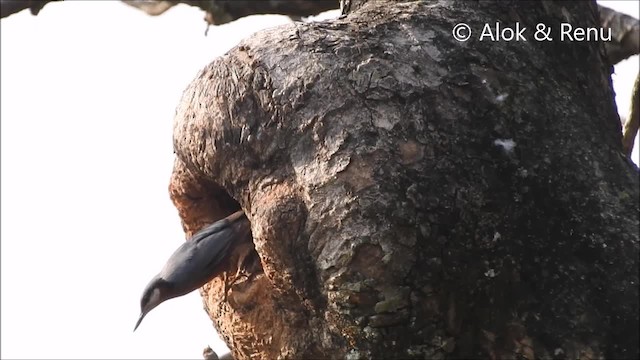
412	196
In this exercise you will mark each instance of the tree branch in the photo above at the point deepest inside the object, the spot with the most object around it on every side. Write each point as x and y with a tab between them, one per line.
223	11
625	32
630	128
151	7
8	7
625	29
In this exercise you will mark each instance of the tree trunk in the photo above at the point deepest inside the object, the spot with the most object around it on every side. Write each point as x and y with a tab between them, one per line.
412	196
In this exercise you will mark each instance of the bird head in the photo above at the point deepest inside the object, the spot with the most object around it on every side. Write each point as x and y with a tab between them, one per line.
154	294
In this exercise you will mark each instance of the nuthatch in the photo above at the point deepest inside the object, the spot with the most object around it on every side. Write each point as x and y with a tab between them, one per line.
196	261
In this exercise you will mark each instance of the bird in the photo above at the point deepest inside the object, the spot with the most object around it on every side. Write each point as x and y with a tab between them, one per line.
197	261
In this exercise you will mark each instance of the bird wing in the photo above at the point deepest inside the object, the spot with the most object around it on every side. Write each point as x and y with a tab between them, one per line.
198	257
215	246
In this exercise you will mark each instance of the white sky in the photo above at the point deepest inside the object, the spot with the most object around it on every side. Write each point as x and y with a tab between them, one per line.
89	90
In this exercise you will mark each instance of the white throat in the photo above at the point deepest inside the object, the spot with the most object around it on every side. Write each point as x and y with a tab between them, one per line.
154	299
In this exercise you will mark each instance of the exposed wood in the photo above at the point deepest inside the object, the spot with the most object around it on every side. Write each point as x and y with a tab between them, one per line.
630	127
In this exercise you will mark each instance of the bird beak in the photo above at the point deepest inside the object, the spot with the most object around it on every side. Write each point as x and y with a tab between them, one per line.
142	315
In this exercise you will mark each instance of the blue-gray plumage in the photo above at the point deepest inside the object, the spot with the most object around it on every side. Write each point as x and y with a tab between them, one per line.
196	261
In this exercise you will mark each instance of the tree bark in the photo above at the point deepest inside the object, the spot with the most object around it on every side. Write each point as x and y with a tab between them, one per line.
412	196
